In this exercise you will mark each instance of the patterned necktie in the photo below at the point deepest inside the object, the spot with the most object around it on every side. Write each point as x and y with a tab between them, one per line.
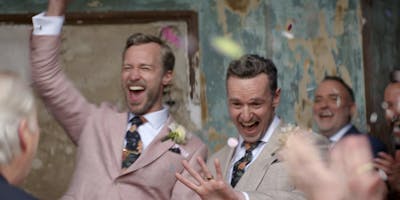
240	165
134	145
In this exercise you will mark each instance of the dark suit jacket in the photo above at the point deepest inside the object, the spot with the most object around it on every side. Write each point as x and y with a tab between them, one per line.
10	192
376	145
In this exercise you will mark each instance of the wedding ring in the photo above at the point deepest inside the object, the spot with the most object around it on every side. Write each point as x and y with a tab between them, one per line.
367	167
208	178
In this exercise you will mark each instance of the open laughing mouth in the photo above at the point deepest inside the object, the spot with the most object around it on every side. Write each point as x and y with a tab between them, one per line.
250	124
135	92
325	114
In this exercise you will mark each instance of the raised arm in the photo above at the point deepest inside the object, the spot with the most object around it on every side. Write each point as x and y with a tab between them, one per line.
64	101
57	7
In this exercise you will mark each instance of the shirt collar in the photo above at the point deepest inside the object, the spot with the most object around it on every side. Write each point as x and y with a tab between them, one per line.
337	136
155	119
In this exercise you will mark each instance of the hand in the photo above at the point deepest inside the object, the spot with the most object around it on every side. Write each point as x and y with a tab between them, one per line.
348	175
57	7
391	166
209	188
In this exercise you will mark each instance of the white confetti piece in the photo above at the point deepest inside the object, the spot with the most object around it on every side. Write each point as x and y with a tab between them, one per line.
288	35
232	142
373	118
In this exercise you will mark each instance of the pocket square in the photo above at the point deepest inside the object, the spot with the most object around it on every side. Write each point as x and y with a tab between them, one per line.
179	150
175	150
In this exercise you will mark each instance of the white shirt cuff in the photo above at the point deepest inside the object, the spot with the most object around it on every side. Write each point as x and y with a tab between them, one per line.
47	25
246	196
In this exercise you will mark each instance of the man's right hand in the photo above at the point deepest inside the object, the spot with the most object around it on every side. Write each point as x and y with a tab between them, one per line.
391	166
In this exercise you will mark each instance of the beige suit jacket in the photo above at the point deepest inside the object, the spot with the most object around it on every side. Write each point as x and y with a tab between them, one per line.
98	132
266	178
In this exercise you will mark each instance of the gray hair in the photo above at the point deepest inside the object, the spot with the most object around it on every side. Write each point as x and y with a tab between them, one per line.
16	103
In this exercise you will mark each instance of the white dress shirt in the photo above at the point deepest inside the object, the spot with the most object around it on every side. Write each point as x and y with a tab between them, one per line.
149	130
337	136
47	25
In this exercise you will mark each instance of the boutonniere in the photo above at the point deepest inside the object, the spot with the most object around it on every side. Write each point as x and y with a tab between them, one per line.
285	131
177	134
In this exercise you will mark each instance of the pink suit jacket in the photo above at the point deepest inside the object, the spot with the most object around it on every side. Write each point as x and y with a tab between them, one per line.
99	131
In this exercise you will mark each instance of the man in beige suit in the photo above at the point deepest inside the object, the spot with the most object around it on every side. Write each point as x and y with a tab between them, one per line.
252	169
120	155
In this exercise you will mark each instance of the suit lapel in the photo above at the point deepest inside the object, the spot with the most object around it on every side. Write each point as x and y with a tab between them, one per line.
352	130
255	172
155	149
226	161
118	130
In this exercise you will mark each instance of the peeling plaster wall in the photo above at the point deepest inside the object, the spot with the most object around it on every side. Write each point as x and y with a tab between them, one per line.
327	40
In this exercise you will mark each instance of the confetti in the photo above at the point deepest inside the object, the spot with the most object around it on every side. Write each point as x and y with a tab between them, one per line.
171	34
384	105
339	101
373	117
382	174
363	21
310	89
287	35
232	142
289	27
227	46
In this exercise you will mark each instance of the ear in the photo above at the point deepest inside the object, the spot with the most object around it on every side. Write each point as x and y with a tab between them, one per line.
23	138
167	77
276	98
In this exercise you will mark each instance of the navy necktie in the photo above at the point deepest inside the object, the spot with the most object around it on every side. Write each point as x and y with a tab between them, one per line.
134	146
240	165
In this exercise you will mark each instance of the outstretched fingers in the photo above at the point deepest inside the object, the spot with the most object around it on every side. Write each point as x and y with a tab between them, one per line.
186	181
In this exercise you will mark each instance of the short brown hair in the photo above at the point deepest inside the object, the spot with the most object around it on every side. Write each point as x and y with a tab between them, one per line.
251	65
167	56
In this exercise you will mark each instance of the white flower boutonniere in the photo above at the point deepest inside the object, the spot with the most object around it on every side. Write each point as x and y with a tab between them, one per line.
286	131
177	134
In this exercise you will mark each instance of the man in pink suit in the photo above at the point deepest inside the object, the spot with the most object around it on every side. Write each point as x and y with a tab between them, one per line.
102	133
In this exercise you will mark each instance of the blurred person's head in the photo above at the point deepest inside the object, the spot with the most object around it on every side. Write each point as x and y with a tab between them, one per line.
334	105
253	95
392	103
19	131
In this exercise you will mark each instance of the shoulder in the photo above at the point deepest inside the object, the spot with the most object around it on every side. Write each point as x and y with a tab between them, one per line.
12	192
194	140
222	153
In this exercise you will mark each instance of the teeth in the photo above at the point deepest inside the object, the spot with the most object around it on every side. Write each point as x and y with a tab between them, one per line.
136	88
248	123
326	114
